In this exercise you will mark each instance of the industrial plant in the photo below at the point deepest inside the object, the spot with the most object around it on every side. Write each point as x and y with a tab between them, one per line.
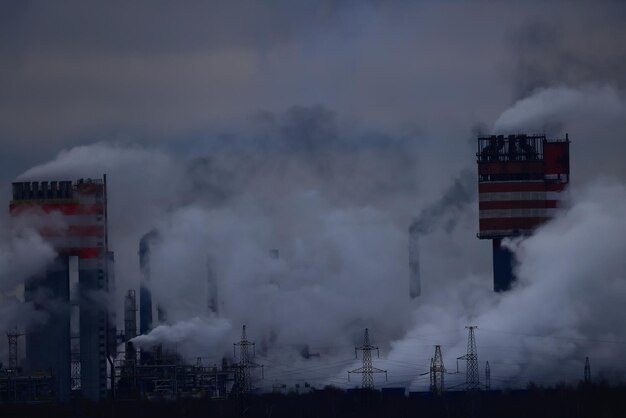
78	352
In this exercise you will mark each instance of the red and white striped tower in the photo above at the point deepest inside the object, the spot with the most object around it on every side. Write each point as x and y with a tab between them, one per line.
72	217
520	181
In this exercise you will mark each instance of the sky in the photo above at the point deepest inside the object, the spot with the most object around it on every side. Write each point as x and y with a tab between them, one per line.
324	129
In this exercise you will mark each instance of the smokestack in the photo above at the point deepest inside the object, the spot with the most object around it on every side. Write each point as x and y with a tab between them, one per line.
130	315
211	285
415	285
145	297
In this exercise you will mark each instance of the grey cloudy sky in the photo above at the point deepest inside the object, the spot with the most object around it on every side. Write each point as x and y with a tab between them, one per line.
75	72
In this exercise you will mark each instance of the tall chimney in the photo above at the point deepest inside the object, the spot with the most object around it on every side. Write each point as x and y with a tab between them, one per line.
145	297
415	285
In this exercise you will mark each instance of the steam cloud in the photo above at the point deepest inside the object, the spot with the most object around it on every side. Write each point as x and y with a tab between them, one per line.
23	254
200	334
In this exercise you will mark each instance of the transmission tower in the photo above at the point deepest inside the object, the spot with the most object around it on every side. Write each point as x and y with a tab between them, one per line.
487	377
472	381
437	371
243	382
13	335
367	370
587	371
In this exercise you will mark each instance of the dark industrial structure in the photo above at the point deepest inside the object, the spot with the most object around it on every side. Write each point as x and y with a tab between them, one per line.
145	295
77	342
15	385
164	375
520	180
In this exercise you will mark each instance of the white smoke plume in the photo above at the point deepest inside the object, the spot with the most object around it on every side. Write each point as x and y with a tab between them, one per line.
23	254
189	337
593	114
548	108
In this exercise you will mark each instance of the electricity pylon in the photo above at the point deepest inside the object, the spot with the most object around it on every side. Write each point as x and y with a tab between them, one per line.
472	380
367	370
243	382
437	371
13	335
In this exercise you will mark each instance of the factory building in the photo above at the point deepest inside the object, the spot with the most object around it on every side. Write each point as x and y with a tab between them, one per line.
520	181
77	340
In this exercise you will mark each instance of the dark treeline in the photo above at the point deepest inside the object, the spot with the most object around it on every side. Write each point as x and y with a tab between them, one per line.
589	401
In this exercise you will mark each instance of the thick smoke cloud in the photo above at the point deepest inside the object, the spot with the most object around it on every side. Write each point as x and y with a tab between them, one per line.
338	225
190	337
23	254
